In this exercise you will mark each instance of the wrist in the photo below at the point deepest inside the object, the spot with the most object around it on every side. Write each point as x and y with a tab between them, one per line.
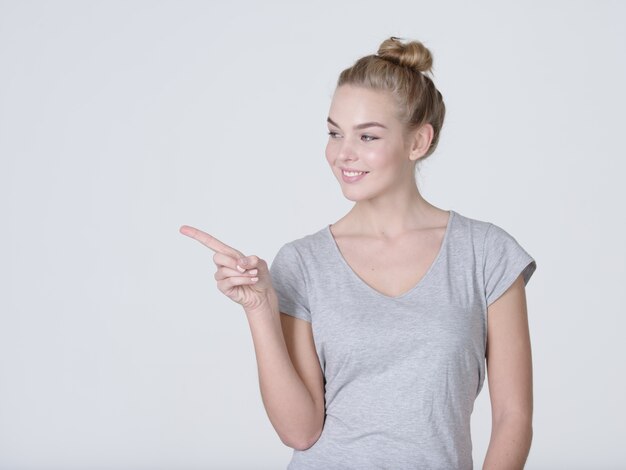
266	305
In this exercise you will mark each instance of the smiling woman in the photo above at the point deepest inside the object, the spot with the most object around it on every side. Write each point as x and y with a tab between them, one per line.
371	334
385	312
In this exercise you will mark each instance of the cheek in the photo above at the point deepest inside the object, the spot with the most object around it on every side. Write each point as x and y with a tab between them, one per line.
378	158
331	152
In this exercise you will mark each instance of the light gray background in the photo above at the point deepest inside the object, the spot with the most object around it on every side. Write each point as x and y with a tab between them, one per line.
121	121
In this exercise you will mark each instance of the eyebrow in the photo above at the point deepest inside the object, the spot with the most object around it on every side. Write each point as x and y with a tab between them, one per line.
359	126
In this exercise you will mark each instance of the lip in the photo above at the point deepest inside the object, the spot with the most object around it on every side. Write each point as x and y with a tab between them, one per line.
350	169
352	179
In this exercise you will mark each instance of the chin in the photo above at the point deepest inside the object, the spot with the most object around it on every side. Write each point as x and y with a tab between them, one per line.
354	195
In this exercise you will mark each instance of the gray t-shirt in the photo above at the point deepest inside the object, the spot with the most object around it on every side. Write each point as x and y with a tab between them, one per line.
401	373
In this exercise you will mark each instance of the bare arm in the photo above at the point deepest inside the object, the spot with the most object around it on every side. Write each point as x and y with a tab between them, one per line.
509	366
296	412
290	375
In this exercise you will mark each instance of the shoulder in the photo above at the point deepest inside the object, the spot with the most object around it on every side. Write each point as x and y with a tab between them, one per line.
480	229
471	229
492	245
307	244
498	256
299	253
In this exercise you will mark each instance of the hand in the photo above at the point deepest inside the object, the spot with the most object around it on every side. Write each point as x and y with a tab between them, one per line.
249	286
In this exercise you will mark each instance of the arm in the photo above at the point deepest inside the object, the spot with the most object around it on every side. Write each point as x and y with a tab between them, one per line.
290	374
509	375
292	387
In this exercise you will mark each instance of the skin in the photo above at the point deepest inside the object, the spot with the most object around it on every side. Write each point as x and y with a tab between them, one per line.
509	374
387	201
391	235
290	376
237	276
388	213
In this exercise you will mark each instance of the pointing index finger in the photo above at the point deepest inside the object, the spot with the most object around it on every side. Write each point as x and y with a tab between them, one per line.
209	241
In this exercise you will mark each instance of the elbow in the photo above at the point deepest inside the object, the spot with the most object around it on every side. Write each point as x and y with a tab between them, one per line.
308	442
521	424
303	442
307	433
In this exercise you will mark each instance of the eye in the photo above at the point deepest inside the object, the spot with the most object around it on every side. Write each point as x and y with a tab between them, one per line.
332	134
369	138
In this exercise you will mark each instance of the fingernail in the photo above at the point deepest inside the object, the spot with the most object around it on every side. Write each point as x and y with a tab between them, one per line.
253	271
241	269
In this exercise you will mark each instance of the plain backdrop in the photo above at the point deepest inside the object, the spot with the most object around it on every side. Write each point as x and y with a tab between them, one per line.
120	121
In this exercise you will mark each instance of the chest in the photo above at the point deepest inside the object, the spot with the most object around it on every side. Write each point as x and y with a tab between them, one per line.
359	332
430	314
392	267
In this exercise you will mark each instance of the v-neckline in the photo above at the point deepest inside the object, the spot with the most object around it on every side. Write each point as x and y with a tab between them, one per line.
442	250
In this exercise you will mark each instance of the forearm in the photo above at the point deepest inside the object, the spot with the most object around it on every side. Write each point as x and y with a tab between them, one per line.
509	446
288	403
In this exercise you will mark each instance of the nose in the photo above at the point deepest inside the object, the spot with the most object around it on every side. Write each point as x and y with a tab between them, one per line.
346	152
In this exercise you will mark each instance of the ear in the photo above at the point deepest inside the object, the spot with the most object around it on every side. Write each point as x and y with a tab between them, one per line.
420	141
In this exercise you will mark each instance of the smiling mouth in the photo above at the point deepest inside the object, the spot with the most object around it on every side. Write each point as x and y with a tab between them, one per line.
353	173
353	177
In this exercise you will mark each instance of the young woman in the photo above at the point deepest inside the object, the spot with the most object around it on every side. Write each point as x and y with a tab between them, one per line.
371	334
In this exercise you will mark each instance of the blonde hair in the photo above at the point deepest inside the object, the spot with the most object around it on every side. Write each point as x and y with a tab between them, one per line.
402	68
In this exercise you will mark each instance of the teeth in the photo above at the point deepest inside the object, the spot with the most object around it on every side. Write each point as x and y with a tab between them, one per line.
353	173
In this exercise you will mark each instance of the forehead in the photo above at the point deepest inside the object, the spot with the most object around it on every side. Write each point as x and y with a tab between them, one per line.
352	104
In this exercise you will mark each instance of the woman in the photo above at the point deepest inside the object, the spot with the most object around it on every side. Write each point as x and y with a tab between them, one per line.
371	334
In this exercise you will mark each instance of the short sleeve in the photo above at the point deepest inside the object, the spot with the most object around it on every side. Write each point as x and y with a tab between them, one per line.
504	261
289	283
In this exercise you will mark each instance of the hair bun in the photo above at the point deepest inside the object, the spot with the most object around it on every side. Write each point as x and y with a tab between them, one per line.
412	54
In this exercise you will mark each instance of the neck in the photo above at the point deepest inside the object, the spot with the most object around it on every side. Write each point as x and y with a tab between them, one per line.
392	214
